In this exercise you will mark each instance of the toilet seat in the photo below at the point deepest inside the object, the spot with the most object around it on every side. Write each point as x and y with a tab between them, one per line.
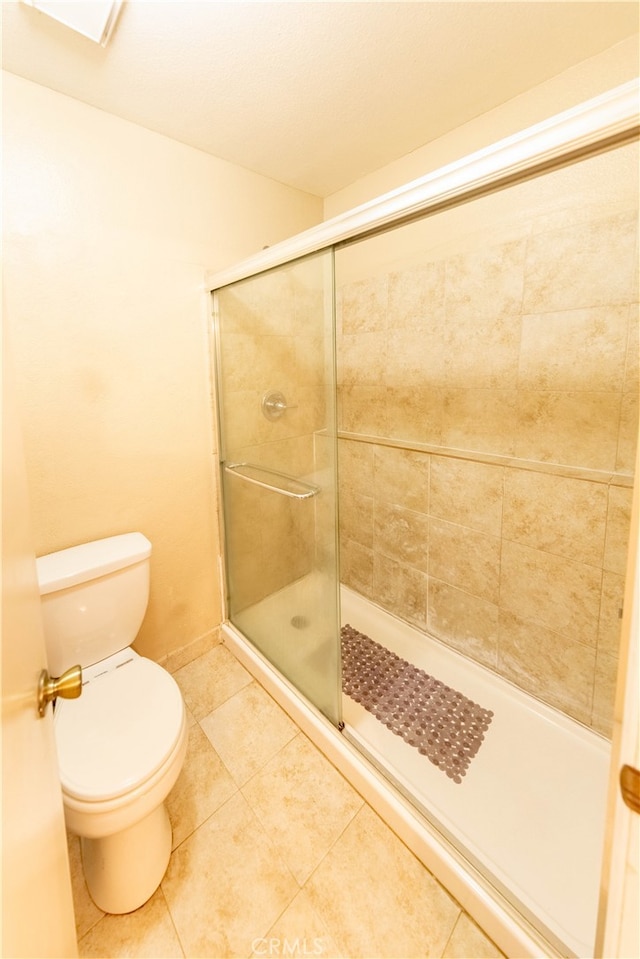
122	731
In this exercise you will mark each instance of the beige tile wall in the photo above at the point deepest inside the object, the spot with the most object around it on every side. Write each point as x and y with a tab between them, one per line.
481	352
488	403
516	568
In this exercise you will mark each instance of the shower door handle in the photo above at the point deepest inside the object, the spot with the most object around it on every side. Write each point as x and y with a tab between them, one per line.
272	480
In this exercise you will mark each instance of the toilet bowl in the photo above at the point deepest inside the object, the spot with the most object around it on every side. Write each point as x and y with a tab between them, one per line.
122	743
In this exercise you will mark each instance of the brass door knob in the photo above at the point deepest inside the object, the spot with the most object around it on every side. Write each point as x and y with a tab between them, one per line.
69	686
630	787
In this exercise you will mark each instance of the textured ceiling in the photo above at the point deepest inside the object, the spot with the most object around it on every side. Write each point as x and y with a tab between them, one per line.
314	94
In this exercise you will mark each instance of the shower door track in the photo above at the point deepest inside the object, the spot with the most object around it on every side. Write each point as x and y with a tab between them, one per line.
600	124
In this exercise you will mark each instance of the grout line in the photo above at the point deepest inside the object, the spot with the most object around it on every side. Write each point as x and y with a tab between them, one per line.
171	919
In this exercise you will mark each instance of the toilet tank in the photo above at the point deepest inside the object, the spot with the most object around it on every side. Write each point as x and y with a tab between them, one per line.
94	598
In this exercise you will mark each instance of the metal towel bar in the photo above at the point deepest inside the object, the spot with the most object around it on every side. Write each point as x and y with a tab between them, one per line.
288	485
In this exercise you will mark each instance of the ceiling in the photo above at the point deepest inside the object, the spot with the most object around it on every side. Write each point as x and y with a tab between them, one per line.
313	94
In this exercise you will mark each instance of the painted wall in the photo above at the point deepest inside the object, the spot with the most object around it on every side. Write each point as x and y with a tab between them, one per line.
108	229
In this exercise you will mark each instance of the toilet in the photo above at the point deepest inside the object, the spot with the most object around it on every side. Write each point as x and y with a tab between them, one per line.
122	743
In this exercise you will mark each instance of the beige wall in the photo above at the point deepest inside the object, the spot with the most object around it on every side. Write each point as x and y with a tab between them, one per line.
108	229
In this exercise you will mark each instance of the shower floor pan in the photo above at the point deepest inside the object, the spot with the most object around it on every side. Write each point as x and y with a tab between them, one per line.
531	807
529	813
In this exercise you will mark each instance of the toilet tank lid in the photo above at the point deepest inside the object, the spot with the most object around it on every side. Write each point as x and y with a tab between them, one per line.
78	564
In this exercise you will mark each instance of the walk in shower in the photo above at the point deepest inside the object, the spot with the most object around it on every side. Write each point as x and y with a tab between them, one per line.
428	428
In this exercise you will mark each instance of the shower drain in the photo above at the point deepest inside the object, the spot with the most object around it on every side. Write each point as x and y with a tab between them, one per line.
299	622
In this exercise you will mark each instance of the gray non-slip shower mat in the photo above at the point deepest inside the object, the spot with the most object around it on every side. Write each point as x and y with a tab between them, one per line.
442	724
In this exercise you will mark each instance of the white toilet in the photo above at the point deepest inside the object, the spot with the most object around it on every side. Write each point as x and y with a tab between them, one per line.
121	745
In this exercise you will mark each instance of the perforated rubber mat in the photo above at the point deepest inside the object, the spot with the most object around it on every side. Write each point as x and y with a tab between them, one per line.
442	724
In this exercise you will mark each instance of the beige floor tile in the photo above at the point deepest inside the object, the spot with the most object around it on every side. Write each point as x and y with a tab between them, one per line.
247	731
146	933
469	942
224	885
191	719
304	804
377	899
298	932
202	787
192	651
86	912
210	680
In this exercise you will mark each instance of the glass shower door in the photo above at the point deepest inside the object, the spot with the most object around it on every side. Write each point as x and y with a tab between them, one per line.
276	401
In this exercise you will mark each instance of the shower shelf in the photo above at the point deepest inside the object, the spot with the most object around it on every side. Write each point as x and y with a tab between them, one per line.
272	480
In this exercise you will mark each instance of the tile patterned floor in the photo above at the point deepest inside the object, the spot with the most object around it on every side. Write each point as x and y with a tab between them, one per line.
274	853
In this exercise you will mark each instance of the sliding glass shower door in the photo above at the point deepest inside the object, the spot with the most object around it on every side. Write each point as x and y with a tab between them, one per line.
276	401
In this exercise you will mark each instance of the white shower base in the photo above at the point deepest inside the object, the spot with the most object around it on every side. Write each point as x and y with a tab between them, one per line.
531	808
529	813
